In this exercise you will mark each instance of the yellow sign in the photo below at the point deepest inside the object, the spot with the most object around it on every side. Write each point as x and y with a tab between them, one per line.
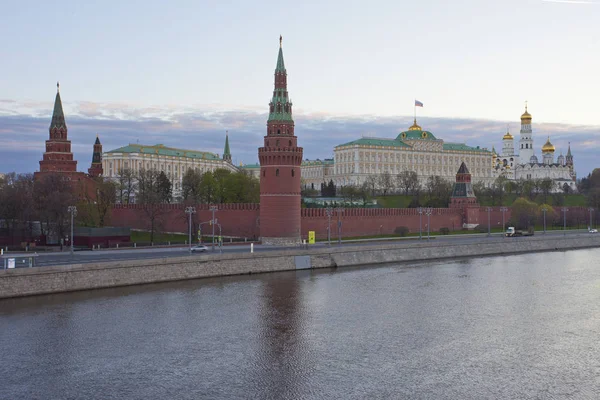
311	237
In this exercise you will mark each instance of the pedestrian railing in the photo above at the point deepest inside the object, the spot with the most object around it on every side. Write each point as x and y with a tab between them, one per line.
18	261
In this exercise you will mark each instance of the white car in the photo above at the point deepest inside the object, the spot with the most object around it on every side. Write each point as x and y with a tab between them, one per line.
199	248
593	230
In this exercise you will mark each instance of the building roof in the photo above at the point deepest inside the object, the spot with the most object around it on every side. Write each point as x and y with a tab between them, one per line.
280	64
413	134
375	142
250	166
327	161
162	150
58	116
463	147
463	169
226	152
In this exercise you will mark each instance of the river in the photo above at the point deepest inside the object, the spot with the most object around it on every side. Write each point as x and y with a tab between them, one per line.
515	327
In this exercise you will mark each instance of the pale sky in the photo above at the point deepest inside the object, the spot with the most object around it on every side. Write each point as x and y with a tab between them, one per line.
464	59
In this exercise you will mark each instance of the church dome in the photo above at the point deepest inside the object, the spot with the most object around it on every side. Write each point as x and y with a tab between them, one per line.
548	147
533	159
415	127
526	116
508	136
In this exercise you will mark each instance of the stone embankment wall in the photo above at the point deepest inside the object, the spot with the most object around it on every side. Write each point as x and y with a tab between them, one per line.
26	282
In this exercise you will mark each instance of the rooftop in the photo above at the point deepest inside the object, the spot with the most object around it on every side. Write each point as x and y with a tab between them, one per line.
162	150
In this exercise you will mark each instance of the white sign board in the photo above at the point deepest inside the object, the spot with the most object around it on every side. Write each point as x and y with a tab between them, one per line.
11	263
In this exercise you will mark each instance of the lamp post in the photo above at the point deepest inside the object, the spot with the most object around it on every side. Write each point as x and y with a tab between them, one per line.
73	211
590	210
503	209
544	210
428	213
189	211
564	210
420	216
329	212
489	226
213	222
339	210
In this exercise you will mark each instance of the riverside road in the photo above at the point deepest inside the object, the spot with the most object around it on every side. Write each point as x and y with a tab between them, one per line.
89	256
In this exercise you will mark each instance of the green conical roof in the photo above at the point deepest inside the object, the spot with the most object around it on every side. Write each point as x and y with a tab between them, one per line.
58	116
97	140
280	64
569	152
226	152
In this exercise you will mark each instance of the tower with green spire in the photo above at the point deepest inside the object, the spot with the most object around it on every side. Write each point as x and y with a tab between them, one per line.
58	156
280	160
226	151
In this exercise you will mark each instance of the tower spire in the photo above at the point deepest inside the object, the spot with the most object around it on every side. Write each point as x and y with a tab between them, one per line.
226	151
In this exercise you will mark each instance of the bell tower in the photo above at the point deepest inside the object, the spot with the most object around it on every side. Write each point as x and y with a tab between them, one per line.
280	159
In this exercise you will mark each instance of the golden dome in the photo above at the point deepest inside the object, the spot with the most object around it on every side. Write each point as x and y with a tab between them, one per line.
548	147
526	115
507	136
415	127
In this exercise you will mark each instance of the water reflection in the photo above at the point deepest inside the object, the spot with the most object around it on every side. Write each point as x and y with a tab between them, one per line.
502	327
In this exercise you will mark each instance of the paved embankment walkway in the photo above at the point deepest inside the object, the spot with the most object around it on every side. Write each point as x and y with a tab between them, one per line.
56	279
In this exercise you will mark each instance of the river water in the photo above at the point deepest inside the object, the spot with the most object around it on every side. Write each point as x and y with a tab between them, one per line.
517	327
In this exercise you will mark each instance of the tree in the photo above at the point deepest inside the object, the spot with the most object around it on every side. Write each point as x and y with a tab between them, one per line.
498	190
53	193
545	186
164	188
208	188
151	196
524	213
191	186
16	204
220	176
408	181
349	193
126	185
384	181
439	191
371	183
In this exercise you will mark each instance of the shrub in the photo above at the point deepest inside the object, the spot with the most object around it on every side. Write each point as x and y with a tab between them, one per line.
401	230
444	231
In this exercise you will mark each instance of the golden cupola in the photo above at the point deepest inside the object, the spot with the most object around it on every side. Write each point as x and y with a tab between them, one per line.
415	127
507	136
548	147
526	117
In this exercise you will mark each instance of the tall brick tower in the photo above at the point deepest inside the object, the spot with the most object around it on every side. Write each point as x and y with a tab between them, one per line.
280	160
96	167
58	156
463	197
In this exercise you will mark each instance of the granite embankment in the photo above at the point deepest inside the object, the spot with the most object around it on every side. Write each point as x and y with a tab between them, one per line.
34	281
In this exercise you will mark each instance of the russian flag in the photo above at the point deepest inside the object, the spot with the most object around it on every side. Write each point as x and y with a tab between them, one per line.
418	103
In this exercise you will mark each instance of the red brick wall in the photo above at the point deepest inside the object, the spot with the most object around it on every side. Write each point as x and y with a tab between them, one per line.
377	221
239	220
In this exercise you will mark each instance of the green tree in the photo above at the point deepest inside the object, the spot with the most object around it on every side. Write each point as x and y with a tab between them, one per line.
191	184
524	213
546	185
164	188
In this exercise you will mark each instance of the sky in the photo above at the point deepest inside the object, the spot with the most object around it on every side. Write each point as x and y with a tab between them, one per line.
182	73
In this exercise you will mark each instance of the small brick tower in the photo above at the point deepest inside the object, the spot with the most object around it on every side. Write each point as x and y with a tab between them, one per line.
58	156
96	168
463	197
280	160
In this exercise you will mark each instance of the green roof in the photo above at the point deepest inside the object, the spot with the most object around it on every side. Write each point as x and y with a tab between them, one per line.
375	142
416	134
226	152
162	150
462	147
58	116
280	64
250	166
327	161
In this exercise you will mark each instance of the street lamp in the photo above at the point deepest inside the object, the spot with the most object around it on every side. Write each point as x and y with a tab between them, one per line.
420	225
428	213
213	222
189	211
339	210
489	226
544	209
503	209
590	210
564	210
329	212
73	211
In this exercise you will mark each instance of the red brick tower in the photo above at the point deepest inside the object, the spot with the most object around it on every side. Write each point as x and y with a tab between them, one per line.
58	156
463	197
280	160
96	167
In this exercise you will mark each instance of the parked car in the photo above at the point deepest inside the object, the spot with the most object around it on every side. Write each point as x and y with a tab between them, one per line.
593	230
199	248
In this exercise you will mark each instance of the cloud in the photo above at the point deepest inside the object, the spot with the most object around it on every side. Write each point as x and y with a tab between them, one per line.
24	129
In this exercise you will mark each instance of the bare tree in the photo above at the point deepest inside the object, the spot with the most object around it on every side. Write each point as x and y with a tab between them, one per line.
385	183
371	183
126	185
53	193
408	181
151	197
